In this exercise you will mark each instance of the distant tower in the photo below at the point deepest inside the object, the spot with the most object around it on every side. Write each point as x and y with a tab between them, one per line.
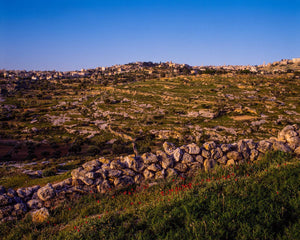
264	63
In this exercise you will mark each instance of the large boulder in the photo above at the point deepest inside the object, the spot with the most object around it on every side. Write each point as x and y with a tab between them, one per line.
46	193
40	215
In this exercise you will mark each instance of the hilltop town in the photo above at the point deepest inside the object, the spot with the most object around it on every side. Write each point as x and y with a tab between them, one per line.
152	70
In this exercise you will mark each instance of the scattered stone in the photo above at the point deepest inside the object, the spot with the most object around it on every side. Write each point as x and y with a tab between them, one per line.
40	215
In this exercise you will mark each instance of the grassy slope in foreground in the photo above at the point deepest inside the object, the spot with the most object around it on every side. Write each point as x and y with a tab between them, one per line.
252	201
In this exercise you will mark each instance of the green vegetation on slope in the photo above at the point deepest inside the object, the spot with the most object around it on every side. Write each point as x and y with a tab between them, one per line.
258	200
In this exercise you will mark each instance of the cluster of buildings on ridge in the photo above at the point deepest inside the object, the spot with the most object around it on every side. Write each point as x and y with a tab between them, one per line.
148	68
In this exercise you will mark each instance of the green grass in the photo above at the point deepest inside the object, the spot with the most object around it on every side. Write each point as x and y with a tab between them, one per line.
251	201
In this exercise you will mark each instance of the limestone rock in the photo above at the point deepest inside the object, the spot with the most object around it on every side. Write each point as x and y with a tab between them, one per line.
5	199
187	158
167	162
19	209
195	166
104	186
34	204
280	146
199	159
253	154
264	146
286	132
222	160
293	142
2	189
148	174
209	164
132	162
193	149
149	158
129	172
154	167
138	178
181	167
6	211
169	148
297	151
205	153
234	155
177	154
171	172
230	162
225	148
78	172
209	145
123	181
46	193
117	165
114	173
92	165
40	215
216	153
24	192
160	175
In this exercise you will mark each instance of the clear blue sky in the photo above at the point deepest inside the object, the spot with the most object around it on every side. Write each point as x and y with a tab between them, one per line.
75	34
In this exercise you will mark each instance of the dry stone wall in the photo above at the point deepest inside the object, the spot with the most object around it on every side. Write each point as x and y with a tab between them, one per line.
98	176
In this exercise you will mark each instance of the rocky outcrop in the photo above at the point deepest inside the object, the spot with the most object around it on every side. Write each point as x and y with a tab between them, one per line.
102	176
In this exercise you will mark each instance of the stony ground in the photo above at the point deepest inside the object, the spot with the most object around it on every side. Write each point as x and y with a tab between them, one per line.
59	125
